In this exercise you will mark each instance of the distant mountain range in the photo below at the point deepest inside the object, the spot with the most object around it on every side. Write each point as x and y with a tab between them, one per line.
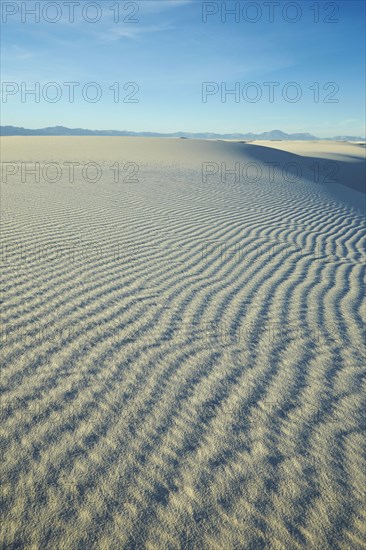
63	131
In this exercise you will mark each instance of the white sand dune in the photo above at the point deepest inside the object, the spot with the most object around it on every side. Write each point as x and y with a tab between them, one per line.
183	350
343	162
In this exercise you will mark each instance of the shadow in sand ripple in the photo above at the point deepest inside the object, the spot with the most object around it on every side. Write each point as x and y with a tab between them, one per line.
191	376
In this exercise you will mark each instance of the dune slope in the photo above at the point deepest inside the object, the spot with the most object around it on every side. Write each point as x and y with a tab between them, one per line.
183	347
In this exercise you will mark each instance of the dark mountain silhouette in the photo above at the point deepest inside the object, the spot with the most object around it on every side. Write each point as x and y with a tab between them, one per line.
63	131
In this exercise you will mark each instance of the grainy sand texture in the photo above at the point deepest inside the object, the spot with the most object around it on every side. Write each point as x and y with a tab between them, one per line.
183	346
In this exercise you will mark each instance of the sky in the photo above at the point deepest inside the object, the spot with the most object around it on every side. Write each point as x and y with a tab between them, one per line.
169	65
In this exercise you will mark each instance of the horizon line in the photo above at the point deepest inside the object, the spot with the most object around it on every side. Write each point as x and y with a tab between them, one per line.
178	133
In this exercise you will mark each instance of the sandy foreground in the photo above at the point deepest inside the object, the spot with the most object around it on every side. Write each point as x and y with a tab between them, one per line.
183	346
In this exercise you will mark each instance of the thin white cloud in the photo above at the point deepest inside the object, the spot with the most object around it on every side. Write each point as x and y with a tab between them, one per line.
155	6
133	33
16	53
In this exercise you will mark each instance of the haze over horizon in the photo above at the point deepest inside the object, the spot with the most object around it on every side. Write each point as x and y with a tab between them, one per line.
274	134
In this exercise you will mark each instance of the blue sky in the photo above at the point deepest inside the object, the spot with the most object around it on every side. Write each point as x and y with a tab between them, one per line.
169	51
